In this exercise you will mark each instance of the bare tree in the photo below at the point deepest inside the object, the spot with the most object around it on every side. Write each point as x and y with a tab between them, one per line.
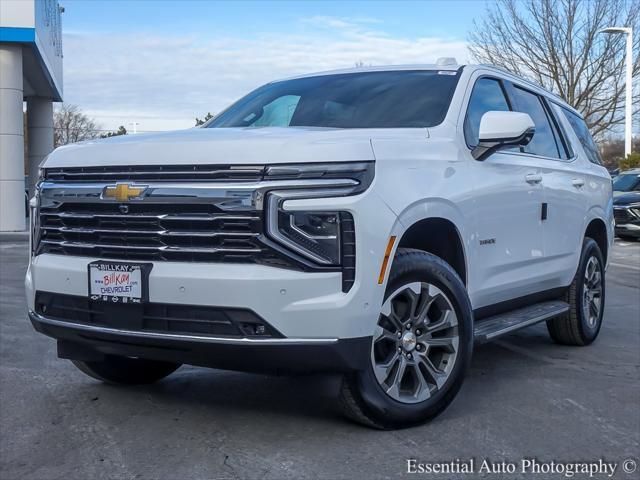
70	125
556	44
207	117
121	131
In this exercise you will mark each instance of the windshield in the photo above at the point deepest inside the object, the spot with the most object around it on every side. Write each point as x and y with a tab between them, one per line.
627	182
398	99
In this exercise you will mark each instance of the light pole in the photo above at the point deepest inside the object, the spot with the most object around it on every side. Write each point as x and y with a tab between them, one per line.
629	83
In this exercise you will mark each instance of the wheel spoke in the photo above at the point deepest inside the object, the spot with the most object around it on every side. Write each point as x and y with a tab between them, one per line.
448	319
591	268
437	377
395	318
414	300
394	383
448	343
423	307
383	370
382	333
423	387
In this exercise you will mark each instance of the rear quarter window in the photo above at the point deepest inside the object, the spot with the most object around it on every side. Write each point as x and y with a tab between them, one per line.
582	132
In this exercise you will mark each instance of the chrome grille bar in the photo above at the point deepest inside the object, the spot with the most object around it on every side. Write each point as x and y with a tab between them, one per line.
208	218
163	248
163	173
169	233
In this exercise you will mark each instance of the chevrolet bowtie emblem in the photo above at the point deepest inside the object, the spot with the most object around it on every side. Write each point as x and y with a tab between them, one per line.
123	192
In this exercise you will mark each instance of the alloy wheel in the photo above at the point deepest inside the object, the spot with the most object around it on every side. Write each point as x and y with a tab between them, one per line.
592	292
415	344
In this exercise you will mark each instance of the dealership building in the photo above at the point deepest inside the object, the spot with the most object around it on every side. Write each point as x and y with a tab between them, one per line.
31	72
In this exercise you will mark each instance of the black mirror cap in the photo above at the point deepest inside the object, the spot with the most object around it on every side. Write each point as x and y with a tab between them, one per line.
486	148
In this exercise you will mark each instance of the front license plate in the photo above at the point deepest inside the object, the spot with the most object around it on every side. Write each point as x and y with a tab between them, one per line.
118	282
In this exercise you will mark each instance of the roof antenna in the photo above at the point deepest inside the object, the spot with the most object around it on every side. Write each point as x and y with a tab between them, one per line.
446	61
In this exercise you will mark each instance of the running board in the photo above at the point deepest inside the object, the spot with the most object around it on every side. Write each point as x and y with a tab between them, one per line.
493	327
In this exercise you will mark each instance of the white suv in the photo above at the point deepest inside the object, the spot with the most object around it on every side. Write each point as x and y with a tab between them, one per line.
374	222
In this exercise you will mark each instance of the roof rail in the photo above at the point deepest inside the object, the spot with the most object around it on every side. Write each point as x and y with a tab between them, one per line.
497	67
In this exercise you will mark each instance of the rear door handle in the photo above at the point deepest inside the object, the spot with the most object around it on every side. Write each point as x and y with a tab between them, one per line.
577	182
533	178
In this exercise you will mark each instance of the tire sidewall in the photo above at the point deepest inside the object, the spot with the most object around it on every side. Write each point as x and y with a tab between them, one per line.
432	270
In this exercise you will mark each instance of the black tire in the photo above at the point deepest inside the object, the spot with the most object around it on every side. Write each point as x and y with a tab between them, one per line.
572	328
363	399
126	371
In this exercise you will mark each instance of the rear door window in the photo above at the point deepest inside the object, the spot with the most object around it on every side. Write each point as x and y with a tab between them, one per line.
544	142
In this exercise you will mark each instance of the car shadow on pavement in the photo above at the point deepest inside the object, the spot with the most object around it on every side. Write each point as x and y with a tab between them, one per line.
222	394
225	396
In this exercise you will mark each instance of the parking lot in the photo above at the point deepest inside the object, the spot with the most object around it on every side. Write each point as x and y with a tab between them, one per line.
524	397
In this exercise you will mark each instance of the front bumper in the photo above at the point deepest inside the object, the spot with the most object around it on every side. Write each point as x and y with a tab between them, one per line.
320	326
286	355
297	304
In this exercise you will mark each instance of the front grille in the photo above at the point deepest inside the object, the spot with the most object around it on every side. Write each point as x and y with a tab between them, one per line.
148	231
157	172
185	213
155	317
623	215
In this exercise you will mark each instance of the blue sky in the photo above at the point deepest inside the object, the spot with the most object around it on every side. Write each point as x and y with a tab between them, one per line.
161	63
208	18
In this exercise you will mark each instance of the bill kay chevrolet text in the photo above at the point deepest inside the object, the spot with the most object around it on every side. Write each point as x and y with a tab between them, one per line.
373	222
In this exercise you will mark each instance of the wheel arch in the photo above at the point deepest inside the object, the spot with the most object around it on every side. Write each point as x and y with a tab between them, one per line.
446	243
597	230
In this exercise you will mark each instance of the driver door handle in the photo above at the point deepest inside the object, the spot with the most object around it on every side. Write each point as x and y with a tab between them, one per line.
533	178
577	182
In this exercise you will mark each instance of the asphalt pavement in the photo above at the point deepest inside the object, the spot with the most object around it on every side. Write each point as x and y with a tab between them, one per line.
525	397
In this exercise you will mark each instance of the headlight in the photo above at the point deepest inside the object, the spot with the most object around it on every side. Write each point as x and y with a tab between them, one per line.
361	172
634	209
320	239
315	235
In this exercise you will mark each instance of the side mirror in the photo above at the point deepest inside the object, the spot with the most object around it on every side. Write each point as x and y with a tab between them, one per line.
500	130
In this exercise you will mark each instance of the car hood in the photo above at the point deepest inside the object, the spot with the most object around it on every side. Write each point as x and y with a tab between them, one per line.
225	146
626	198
